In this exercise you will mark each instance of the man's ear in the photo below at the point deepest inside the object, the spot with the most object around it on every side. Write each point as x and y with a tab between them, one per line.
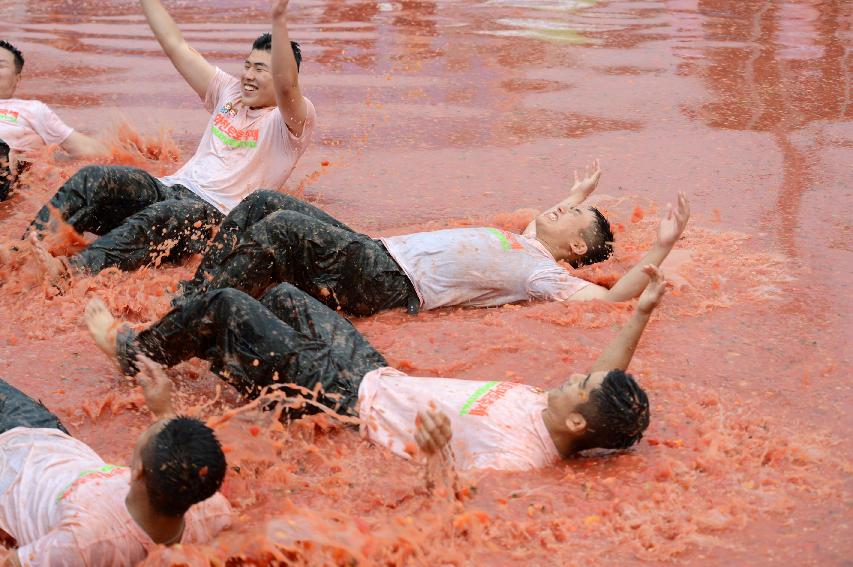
137	470
576	423
578	245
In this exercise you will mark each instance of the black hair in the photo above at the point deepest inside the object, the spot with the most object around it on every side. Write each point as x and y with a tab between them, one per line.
184	464
616	414
19	57
264	43
599	241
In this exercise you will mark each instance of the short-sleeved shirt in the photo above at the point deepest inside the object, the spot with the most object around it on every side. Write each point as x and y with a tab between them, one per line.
480	267
65	506
496	425
28	125
242	149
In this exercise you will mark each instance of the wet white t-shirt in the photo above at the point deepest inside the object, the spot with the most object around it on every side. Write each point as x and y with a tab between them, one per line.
242	150
496	425
27	125
480	267
65	506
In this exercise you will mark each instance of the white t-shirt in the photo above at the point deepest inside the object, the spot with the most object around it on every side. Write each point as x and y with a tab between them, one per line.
496	425
242	150
65	506
480	267
27	125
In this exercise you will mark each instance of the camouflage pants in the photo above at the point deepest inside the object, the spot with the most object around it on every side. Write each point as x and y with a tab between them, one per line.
139	220
19	410
5	171
285	338
271	238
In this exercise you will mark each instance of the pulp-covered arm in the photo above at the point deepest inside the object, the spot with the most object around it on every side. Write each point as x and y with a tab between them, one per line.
190	64
632	284
285	73
156	387
579	192
80	145
617	355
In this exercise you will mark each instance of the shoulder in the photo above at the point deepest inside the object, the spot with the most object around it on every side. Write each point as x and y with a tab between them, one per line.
208	518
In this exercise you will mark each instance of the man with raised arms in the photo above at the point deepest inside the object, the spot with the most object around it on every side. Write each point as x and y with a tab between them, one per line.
292	341
61	504
27	125
272	238
260	125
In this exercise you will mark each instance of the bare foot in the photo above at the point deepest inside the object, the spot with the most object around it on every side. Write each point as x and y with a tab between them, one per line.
102	325
54	269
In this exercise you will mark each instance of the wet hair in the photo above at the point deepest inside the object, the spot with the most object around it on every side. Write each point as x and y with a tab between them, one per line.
599	241
264	43
184	464
19	57
616	414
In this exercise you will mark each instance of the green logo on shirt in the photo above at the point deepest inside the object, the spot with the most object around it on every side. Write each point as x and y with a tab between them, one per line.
8	116
507	239
105	471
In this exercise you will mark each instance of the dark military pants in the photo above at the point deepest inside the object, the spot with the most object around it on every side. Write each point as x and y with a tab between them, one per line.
286	338
139	220
5	171
297	243
19	410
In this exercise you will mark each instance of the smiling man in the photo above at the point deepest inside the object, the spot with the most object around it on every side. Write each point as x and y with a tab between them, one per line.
290	340
259	127
272	238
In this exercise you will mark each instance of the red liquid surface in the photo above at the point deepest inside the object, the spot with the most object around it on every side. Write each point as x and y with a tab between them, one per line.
436	114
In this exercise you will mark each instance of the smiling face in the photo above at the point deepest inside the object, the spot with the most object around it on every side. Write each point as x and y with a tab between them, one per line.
256	81
562	228
9	76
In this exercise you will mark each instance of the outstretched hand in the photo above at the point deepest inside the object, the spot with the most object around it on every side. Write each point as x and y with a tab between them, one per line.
156	387
675	221
279	7
432	431
651	296
583	188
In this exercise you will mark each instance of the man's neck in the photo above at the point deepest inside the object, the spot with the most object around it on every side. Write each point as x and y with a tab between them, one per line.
562	439
161	529
550	248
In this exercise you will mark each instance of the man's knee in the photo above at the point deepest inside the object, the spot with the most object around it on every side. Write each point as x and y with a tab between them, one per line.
285	293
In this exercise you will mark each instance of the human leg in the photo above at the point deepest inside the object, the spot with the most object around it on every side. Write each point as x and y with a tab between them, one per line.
245	343
251	210
98	198
19	410
5	171
340	268
167	230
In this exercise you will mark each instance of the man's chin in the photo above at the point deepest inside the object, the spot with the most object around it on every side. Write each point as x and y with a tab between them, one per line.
256	102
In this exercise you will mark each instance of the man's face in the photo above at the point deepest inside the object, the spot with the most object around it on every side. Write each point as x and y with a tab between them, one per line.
563	226
256	81
575	391
9	77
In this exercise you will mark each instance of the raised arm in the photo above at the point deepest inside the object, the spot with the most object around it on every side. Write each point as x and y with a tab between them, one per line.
632	283
285	73
156	387
579	192
617	355
80	145
190	64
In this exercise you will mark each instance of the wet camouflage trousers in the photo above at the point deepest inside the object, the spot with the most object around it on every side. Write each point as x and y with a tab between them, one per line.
286	337
19	410
139	220
271	238
5	171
